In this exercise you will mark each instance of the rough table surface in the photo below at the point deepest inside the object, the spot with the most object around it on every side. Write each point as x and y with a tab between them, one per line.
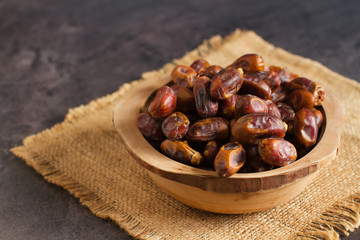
56	55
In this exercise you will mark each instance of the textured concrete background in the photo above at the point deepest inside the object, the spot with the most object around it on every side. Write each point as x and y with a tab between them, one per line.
55	55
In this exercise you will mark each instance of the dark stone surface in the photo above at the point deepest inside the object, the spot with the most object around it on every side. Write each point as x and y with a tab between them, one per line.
55	55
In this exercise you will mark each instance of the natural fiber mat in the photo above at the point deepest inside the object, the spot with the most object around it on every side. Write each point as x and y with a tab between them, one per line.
85	156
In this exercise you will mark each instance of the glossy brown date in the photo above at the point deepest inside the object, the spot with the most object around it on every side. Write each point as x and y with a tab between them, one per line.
305	127
273	80
249	62
183	76
205	106
299	99
175	126
163	104
226	83
208	129
212	70
230	158
200	65
185	99
307	84
250	104
255	85
251	128
284	74
277	151
318	116
286	112
227	106
210	151
181	152
272	108
149	127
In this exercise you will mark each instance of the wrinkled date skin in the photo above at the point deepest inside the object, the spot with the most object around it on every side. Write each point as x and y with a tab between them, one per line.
273	80
185	99
279	94
163	104
226	83
272	108
254	84
212	70
200	65
277	151
286	112
284	74
175	126
307	84
318	116
210	151
300	98
251	128
305	127
205	106
183	76
208	129
230	158
181	152
250	104
249	63
227	106
149	127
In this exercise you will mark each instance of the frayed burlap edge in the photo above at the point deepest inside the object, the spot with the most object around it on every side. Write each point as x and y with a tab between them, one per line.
343	217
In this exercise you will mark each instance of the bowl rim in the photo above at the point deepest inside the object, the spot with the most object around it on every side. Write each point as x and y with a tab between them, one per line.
124	119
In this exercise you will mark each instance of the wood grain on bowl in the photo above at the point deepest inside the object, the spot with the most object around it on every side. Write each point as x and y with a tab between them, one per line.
204	189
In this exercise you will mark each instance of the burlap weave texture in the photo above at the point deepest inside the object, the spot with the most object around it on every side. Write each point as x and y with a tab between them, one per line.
84	155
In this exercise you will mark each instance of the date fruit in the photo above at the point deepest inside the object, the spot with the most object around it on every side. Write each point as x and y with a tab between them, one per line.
163	104
254	84
181	152
307	84
208	129
230	158
185	99
200	65
227	106
183	76
277	151
300	98
205	106
210	151
226	83
212	70
250	104
175	126
305	127
149	127
251	128
249	62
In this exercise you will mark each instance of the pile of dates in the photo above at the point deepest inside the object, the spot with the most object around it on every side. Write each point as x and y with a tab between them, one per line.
243	118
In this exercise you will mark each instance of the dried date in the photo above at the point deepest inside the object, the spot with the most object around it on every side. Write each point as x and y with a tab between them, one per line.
230	158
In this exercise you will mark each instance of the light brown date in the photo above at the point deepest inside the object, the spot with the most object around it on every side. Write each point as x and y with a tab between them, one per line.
183	76
175	126
255	85
251	128
210	151
227	106
250	104
149	127
200	65
205	106
163	104
226	83
208	129
305	127
185	99
230	158
299	99
277	151
212	70
307	84
181	152
249	62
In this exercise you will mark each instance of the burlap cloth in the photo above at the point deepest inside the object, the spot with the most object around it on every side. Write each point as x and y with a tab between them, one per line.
85	156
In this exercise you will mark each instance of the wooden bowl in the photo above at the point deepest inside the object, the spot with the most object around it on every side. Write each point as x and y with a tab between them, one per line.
204	189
